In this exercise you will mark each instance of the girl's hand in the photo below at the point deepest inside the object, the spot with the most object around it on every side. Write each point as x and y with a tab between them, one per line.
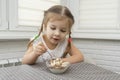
40	49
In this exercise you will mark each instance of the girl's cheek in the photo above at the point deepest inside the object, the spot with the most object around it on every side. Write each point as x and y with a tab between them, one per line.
49	31
64	36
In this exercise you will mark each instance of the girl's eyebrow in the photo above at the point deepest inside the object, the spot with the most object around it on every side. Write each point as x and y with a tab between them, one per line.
63	28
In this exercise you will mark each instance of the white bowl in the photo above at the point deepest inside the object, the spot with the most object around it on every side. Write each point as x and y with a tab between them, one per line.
58	70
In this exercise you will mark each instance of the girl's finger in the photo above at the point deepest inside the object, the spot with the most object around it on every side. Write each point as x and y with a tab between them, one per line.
41	48
44	49
40	43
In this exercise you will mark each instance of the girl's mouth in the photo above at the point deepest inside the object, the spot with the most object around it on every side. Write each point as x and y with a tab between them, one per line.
56	39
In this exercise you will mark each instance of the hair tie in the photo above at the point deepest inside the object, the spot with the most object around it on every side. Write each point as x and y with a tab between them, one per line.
36	37
69	39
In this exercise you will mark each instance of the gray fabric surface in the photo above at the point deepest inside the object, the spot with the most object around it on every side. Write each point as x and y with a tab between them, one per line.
39	71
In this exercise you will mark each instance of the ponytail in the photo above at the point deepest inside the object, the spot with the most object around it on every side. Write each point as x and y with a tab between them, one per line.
68	48
31	41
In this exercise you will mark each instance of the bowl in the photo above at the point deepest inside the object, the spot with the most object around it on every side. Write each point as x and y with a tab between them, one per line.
57	67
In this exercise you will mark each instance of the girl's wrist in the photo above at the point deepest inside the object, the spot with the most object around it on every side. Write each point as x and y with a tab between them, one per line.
63	59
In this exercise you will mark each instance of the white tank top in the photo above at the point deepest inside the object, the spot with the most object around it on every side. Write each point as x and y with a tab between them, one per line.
57	52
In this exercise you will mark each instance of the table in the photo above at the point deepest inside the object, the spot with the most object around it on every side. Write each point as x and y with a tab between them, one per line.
39	71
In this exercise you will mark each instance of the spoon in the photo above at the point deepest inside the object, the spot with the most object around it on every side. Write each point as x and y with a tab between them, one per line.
52	56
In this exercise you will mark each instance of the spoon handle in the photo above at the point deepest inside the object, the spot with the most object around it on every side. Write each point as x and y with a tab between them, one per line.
52	56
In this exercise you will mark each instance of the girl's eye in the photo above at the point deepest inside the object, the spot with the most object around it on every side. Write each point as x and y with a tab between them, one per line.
63	31
53	28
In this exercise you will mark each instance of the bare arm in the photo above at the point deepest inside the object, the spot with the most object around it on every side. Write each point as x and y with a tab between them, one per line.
32	54
76	55
30	57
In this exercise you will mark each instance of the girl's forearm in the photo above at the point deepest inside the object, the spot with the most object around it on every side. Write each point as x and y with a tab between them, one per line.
73	59
30	58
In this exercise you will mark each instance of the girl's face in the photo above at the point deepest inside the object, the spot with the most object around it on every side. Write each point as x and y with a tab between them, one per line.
56	31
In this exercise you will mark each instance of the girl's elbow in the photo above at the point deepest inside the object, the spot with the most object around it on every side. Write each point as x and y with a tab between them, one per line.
27	62
81	58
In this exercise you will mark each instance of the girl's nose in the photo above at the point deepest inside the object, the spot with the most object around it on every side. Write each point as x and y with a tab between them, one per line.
57	32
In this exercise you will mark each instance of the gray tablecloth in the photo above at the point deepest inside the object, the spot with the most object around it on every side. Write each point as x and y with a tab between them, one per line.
39	71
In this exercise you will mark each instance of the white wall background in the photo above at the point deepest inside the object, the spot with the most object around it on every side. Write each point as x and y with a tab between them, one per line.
12	48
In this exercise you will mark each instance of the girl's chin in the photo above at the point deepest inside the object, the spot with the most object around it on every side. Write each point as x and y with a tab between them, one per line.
54	42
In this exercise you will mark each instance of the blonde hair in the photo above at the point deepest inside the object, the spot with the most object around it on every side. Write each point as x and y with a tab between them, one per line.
57	12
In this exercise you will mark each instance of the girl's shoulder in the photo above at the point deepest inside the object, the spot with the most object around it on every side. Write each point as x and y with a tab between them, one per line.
64	42
36	39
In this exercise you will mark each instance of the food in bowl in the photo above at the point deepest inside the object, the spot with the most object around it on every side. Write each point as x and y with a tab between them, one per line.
57	65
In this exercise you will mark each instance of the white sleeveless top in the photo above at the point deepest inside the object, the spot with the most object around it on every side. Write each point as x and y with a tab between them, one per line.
57	52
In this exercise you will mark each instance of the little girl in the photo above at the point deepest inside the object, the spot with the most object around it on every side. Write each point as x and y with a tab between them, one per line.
54	38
